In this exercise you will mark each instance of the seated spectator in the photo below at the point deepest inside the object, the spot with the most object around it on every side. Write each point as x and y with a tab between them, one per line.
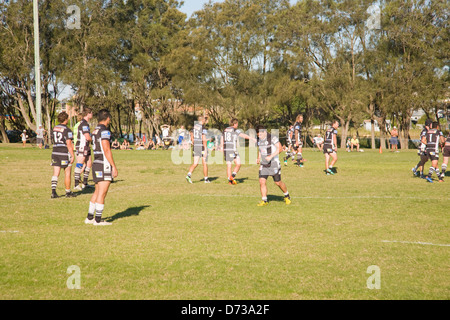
354	142
115	145
318	141
125	145
137	143
150	145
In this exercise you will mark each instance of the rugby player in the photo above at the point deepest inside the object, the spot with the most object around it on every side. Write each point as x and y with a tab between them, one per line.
418	169
104	169
229	145
432	139
330	147
289	152
83	150
62	154
297	141
198	138
269	149
446	154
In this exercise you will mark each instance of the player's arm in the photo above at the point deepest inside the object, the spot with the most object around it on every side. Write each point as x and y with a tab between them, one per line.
335	140
70	148
277	152
297	142
424	140
246	136
108	155
222	142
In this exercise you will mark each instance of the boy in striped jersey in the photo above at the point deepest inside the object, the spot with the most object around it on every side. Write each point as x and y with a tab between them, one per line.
62	154
83	150
432	139
104	169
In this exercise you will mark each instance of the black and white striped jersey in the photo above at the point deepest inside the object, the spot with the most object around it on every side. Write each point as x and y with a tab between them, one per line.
230	139
82	129
433	137
100	133
61	133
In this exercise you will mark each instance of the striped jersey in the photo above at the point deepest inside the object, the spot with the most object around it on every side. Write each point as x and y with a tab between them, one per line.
423	146
82	129
230	139
433	137
199	131
290	134
329	138
298	128
61	133
100	133
267	147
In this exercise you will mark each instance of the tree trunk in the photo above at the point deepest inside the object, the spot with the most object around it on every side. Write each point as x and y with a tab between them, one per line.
5	138
372	132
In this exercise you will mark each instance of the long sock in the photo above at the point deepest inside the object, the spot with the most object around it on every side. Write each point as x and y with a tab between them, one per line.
91	211
87	170
438	173
264	199
77	176
54	183
233	174
430	172
286	195
98	212
444	168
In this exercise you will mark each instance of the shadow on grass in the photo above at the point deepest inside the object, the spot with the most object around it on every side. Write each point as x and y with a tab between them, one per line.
212	179
134	211
275	198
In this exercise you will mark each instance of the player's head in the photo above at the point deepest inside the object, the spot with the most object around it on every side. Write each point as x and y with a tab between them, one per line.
234	122
435	125
261	131
299	118
335	124
201	119
104	117
63	117
87	113
428	123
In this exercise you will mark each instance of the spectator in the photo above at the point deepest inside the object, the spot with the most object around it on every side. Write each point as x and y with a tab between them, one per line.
24	137
348	144
150	145
137	143
354	142
141	145
394	139
40	132
125	145
181	135
318	141
115	145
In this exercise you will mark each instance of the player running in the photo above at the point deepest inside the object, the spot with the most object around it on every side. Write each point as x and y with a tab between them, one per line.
104	169
418	169
198	138
83	150
432	139
62	154
269	149
446	153
229	144
330	147
297	140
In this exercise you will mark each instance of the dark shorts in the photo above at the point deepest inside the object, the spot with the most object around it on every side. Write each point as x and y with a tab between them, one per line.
199	152
433	156
39	141
328	149
86	152
101	172
60	160
446	151
272	171
393	140
231	156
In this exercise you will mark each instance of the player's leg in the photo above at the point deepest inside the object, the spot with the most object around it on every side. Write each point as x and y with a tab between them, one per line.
205	169
80	159
334	159
67	181
283	187
87	170
102	188
237	166
444	168
327	161
263	189
192	168
56	172
91	211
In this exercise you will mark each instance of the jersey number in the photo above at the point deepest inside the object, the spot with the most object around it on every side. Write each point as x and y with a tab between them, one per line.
58	137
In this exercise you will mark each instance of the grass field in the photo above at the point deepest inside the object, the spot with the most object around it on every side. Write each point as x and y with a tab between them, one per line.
172	240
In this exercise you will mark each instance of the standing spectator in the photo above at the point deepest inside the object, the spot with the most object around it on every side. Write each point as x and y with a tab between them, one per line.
394	139
40	132
181	134
24	137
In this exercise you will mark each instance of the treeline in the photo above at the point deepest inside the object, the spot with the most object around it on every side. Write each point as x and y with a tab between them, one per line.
261	61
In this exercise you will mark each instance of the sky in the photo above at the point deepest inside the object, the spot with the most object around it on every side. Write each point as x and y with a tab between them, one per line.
190	6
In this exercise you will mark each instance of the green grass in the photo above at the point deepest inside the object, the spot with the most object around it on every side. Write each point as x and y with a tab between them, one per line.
172	240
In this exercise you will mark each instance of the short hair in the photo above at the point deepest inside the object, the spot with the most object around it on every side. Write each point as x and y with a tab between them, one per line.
86	111
103	115
201	118
260	127
233	121
428	122
79	117
63	116
334	121
434	125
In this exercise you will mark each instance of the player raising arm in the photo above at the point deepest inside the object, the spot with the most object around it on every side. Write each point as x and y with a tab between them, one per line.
104	169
